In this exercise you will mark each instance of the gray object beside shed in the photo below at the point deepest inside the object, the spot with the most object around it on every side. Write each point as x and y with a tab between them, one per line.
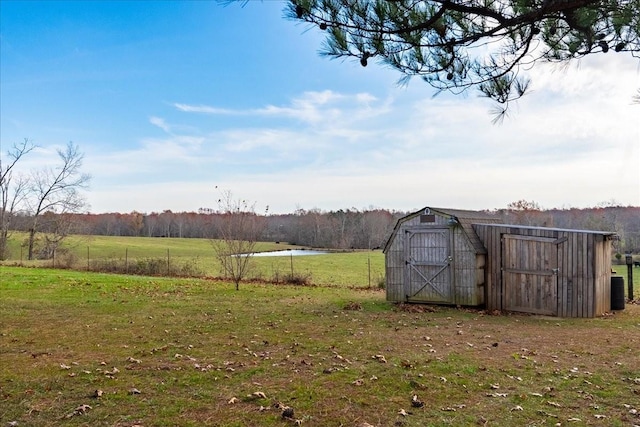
435	256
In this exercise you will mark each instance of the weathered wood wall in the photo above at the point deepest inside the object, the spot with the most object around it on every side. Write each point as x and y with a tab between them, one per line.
583	267
468	270
466	275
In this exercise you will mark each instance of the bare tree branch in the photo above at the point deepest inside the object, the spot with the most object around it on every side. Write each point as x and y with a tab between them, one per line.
239	229
12	192
57	189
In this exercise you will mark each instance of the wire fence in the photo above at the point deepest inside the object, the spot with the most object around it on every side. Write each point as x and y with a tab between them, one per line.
355	268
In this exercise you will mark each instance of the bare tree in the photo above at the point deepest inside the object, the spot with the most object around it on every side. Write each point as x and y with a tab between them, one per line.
55	228
528	213
12	191
56	190
239	230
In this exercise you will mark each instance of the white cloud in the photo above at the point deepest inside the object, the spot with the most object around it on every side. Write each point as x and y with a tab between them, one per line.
203	109
574	141
157	121
310	107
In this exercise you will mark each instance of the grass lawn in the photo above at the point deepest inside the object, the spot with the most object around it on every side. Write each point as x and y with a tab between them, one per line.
353	268
91	349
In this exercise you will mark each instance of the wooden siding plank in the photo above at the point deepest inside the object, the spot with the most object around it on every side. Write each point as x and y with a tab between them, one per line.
588	309
606	276
563	309
579	273
573	280
498	285
487	238
491	274
597	273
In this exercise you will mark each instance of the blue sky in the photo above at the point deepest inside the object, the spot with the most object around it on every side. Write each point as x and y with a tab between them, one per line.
173	101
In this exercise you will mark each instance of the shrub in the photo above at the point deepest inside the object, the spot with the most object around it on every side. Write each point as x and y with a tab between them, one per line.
189	268
64	258
299	279
147	267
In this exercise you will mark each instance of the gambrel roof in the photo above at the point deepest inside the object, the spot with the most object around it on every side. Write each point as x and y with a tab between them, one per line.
463	217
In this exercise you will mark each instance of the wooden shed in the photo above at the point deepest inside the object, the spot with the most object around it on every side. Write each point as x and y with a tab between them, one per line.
434	256
549	271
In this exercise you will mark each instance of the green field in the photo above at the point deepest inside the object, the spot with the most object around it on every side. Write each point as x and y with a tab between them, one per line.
351	268
144	351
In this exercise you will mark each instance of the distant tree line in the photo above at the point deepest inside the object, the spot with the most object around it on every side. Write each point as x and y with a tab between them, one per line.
341	229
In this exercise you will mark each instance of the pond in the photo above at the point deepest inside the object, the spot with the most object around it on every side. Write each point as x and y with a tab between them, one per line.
291	252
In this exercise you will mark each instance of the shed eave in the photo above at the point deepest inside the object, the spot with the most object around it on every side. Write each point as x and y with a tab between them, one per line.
611	234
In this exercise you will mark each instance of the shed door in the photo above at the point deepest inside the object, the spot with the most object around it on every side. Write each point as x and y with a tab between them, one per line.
529	274
427	271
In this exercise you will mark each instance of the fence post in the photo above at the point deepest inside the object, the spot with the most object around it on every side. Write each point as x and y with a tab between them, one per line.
168	266
88	260
291	256
629	261
369	267
126	260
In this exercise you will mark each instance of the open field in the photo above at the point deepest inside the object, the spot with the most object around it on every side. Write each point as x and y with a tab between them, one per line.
184	352
352	268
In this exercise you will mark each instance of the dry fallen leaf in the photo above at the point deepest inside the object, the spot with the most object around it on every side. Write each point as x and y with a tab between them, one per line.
112	372
287	412
80	410
415	402
379	358
232	400
259	395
